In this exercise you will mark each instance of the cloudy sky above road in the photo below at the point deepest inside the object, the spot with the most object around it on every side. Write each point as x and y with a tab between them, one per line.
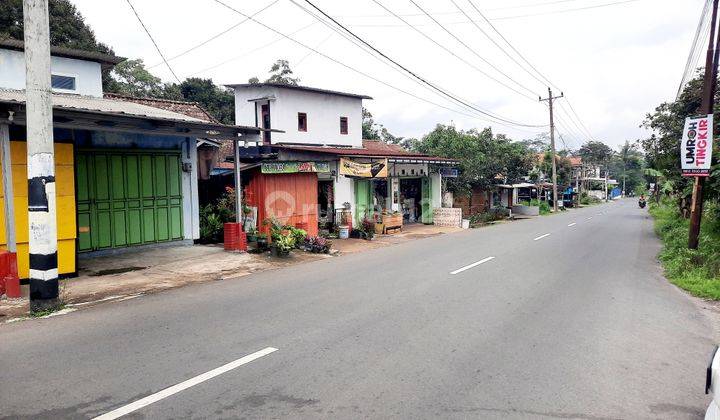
614	60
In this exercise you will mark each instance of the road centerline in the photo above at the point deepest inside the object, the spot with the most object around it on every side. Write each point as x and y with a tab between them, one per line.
475	264
541	236
153	398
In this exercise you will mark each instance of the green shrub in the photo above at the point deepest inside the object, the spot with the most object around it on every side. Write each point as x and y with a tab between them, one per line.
697	271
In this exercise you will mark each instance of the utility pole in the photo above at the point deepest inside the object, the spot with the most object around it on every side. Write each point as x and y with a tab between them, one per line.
708	102
550	99
40	158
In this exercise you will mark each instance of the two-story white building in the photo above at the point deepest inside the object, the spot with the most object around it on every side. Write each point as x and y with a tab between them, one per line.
321	132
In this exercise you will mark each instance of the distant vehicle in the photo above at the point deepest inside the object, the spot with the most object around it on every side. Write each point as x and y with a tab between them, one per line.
712	386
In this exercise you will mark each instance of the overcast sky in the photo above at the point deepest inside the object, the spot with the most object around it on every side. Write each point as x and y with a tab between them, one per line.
614	63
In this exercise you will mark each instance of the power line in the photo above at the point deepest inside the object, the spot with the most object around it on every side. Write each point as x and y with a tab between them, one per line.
444	47
214	37
495	42
565	10
472	50
345	65
425	81
512	47
363	47
153	41
701	33
237	57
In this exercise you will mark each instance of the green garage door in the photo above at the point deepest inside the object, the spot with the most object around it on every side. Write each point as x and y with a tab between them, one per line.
127	198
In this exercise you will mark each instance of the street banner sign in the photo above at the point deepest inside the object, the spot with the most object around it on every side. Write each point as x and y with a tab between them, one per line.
696	146
449	172
377	169
294	167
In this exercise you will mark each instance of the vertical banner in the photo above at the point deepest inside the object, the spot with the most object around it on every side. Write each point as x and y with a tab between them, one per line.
696	146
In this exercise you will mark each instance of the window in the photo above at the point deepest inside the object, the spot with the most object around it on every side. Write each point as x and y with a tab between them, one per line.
62	82
343	125
302	121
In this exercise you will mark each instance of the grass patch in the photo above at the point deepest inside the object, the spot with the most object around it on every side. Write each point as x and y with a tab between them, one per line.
46	312
697	271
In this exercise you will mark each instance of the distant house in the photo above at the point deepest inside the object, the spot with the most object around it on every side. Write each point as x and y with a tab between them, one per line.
317	165
126	168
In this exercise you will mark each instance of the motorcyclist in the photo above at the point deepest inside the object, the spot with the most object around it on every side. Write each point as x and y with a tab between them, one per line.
641	201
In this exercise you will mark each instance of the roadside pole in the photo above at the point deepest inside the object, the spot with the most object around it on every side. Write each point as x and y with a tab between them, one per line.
238	184
550	99
40	159
708	101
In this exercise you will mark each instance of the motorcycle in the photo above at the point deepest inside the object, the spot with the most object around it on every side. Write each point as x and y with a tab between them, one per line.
641	203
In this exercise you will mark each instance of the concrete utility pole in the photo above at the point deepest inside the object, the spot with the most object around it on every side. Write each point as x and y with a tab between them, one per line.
40	158
550	99
708	102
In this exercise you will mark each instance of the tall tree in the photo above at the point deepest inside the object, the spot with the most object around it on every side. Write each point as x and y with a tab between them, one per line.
483	157
67	28
280	72
132	78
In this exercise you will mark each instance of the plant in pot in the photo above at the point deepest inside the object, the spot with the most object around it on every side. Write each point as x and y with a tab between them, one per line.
368	228
252	235
283	245
262	241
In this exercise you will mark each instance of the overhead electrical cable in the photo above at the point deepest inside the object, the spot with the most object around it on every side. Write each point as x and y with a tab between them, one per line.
426	36
371	53
216	36
524	59
153	41
565	10
504	50
222	3
237	57
472	50
701	34
414	74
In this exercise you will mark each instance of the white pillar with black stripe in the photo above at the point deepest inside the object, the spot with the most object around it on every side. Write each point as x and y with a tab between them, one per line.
44	289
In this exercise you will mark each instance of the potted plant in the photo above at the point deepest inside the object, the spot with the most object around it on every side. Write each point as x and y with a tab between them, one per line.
368	228
282	246
252	235
262	241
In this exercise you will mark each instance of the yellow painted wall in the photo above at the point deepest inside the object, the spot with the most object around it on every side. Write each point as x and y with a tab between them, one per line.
65	194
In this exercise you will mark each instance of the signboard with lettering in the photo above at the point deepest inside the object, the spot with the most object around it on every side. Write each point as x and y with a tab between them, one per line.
449	172
294	167
696	146
378	169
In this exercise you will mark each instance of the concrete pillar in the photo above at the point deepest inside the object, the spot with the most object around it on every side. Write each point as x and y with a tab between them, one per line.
40	159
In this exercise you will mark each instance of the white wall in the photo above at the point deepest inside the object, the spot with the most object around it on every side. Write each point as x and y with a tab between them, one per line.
345	192
323	115
436	191
88	76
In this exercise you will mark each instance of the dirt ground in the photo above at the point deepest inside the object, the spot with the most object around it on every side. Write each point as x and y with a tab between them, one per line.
133	273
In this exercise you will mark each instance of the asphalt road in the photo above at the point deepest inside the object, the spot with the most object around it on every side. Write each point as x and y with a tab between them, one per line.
575	324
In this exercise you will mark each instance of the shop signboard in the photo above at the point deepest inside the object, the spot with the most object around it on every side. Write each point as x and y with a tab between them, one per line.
449	172
696	146
294	167
376	169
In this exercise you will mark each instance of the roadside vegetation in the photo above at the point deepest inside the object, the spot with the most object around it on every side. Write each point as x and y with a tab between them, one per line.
697	271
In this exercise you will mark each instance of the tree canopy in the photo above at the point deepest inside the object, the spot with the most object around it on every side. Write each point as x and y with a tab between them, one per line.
484	157
662	147
280	72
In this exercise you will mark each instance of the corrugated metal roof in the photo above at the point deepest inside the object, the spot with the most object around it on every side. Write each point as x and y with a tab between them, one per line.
303	88
371	148
101	105
104	59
